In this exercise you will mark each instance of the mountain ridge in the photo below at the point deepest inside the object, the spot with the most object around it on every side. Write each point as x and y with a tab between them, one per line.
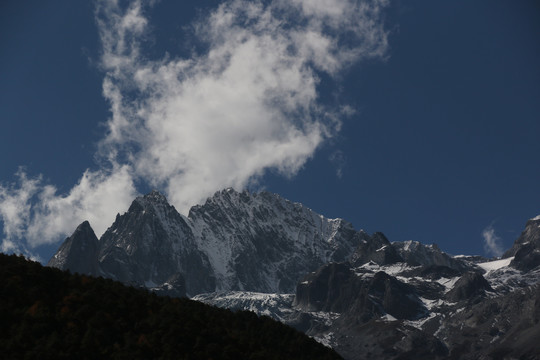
234	241
355	292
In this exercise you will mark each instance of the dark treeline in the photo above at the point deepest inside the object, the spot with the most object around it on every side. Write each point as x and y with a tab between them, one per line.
49	314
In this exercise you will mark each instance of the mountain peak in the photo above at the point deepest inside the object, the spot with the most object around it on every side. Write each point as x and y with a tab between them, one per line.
155	196
154	202
84	226
77	251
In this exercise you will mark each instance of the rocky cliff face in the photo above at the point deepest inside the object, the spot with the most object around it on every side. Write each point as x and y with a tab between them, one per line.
151	245
262	242
526	249
416	253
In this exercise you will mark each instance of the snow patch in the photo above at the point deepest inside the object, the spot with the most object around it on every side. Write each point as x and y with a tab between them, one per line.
388	318
326	339
420	322
495	265
448	283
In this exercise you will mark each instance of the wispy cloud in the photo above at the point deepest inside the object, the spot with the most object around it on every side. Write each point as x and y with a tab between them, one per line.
337	158
220	118
492	243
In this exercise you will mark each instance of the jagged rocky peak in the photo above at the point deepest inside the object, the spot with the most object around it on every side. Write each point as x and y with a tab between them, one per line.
155	203
149	218
529	236
374	248
154	197
526	248
228	197
150	243
231	206
416	253
262	242
78	251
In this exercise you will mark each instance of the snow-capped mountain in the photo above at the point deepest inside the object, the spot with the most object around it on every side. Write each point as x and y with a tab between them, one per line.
235	241
361	294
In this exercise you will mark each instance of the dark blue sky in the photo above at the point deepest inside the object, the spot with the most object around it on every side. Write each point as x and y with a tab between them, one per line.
445	141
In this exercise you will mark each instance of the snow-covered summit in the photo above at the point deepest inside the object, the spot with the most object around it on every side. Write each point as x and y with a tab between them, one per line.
242	231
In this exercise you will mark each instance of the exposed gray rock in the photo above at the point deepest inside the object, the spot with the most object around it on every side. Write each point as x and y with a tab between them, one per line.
503	327
152	242
526	248
336	288
332	288
529	236
526	258
375	248
384	294
470	286
262	242
78	252
416	253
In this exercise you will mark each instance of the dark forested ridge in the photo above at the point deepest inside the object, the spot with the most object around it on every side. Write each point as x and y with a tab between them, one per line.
50	314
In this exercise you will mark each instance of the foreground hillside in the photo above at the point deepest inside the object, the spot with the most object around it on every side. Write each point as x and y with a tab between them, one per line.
50	314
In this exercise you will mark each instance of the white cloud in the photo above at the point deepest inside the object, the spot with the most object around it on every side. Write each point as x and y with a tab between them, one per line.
492	243
33	211
220	118
250	103
15	206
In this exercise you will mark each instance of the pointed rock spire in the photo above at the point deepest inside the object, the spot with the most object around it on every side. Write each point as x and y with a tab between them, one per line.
78	253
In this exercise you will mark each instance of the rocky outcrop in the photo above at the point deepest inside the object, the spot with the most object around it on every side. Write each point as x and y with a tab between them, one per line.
526	258
469	287
416	254
336	288
333	287
526	248
375	248
503	327
384	294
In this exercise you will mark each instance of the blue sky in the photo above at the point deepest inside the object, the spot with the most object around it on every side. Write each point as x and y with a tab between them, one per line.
419	119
